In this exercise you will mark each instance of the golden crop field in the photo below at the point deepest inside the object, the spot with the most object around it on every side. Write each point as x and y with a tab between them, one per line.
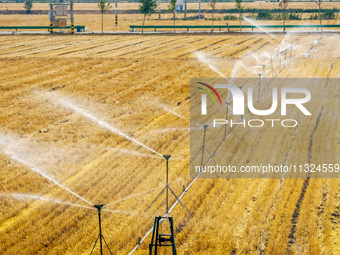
73	107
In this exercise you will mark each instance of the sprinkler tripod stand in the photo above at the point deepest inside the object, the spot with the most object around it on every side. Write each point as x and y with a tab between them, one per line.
265	84
100	236
280	62
259	88
291	55
272	66
285	60
167	188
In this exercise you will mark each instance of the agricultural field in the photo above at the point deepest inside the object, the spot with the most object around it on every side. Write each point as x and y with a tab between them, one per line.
92	115
92	20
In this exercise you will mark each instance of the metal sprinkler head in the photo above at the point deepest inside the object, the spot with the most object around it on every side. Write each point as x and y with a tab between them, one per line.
98	207
205	126
166	156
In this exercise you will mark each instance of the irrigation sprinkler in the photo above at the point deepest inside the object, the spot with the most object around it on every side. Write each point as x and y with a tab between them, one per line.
203	147
258	96
285	61
186	190
272	66
116	13
264	69
100	236
280	62
185	10
167	188
265	83
264	78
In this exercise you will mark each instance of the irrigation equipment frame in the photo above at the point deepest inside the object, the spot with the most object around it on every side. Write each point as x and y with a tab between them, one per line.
100	235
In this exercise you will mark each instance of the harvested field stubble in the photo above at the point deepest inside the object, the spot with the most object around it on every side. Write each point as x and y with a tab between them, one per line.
63	99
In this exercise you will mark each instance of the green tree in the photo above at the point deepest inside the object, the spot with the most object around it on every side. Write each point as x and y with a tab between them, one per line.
172	7
103	7
28	6
238	4
212	4
284	4
319	2
146	7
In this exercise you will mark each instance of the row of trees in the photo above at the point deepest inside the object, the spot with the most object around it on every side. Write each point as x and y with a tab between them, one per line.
284	5
147	7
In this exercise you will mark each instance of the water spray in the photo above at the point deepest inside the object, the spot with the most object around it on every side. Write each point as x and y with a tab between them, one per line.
258	26
100	236
37	197
203	59
37	170
66	103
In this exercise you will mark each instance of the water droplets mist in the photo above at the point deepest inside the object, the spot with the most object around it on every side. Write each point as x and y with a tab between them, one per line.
69	104
17	157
